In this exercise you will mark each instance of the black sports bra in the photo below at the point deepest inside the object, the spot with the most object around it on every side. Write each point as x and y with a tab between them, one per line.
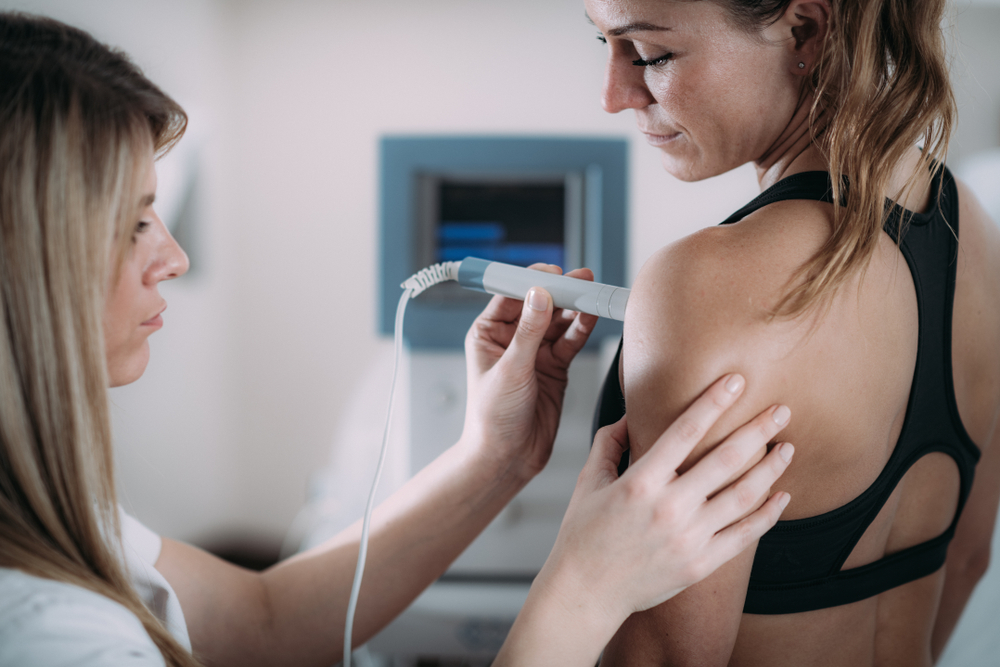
798	563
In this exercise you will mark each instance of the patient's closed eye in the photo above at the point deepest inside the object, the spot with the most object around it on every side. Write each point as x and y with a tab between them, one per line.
639	62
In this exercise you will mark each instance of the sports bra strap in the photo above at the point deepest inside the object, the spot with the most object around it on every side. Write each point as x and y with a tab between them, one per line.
814	185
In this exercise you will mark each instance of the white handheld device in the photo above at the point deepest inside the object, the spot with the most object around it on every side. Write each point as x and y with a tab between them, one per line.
570	293
515	281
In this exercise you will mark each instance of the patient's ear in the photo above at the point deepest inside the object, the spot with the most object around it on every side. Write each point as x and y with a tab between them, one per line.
803	28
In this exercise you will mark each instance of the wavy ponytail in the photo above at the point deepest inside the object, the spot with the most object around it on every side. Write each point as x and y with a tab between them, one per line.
879	87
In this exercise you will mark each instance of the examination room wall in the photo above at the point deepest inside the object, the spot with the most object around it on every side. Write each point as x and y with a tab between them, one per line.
273	330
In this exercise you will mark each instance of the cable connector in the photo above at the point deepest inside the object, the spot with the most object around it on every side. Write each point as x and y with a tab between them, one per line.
431	276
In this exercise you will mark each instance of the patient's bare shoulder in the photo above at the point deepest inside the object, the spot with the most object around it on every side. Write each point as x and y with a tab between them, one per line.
702	307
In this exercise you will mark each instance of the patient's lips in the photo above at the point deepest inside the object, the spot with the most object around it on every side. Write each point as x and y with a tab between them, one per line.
659	136
661	139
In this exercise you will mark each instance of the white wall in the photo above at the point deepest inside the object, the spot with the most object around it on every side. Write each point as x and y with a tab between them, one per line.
975	47
257	361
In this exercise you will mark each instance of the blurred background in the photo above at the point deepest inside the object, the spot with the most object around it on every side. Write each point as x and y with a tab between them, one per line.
275	196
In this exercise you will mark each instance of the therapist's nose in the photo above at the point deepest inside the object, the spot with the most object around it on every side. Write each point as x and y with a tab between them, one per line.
171	260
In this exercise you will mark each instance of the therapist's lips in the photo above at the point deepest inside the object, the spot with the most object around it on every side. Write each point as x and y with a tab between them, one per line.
155	322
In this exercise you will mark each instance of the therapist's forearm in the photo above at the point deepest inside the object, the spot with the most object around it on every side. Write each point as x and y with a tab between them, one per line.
415	535
562	623
294	612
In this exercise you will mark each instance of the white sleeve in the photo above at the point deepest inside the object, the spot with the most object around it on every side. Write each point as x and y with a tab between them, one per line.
52	624
145	543
141	549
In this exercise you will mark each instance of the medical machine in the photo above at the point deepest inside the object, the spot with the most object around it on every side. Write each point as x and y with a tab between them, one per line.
516	200
475	209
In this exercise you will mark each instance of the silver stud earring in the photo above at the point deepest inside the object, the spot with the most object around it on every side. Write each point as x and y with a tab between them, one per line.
802	65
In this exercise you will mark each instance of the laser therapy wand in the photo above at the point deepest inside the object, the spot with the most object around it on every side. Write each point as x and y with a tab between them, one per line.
514	281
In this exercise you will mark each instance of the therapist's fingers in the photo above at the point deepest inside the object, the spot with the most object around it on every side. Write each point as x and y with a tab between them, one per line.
573	335
727	459
536	313
730	542
574	338
681	437
505	309
746	493
610	444
563	319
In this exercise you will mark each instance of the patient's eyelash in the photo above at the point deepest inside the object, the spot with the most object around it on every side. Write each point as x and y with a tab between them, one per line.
639	62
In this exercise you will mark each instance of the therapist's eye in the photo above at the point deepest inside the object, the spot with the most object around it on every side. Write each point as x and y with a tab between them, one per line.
140	227
602	39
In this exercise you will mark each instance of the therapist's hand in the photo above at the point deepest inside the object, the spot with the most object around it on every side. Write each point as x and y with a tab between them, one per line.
517	355
629	543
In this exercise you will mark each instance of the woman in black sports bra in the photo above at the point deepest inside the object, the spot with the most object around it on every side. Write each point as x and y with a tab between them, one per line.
877	320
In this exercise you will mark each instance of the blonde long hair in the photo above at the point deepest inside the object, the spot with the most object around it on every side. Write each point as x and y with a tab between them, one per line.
76	120
880	86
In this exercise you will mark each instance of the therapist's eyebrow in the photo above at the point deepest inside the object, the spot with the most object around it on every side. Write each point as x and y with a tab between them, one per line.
147	200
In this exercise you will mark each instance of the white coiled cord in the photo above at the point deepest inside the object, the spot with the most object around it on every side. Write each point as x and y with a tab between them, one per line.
413	286
432	275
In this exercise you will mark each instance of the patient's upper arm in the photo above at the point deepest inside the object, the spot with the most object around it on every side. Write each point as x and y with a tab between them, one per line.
694	316
697	312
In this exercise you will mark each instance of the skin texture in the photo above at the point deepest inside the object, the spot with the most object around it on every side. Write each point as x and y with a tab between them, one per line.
702	305
133	306
518	355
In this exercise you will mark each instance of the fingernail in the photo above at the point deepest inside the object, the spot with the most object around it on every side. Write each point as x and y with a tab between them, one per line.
538	300
783	500
786	451
734	383
781	415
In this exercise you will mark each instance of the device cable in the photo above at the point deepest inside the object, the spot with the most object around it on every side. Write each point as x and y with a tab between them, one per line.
414	285
431	276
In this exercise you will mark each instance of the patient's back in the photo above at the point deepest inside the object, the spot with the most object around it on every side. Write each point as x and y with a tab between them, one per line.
698	310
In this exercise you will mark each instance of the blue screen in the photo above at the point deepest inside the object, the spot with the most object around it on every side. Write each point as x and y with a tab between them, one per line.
514	223
488	240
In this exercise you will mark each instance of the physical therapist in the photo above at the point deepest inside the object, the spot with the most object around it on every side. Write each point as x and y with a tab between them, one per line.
82	253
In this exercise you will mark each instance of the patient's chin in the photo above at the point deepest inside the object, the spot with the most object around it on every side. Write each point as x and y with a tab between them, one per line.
692	170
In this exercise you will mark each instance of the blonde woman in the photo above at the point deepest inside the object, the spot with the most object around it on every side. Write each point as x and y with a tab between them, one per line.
82	253
862	289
